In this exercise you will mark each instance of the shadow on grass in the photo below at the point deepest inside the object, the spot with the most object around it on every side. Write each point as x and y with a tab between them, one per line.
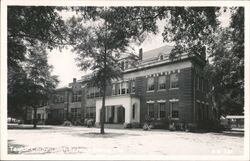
26	127
106	135
237	134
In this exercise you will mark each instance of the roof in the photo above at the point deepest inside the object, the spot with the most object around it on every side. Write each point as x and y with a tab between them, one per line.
155	53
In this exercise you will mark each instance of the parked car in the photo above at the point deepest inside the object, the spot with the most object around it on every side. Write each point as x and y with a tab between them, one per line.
13	120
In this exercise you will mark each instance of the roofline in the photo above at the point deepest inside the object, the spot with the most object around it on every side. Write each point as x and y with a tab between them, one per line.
159	63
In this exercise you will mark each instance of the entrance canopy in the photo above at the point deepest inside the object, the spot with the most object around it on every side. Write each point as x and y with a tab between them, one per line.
130	103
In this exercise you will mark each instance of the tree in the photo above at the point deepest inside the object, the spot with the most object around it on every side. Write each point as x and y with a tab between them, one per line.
227	68
39	82
28	27
100	45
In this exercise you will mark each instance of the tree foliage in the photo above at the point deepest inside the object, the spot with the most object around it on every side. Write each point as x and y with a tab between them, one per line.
227	68
30	29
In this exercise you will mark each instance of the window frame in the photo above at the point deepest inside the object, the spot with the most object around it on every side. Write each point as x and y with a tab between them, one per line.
172	109
149	112
171	81
160	110
149	86
159	85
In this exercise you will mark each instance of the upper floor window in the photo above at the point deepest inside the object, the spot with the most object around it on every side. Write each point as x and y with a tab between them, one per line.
162	82
124	87
133	87
93	92
126	64
122	65
113	89
161	57
76	97
150	84
174	81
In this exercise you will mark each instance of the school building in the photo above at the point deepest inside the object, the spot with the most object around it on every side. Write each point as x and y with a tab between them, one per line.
155	86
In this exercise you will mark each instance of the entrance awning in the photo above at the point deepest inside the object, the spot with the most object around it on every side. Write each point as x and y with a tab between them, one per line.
128	102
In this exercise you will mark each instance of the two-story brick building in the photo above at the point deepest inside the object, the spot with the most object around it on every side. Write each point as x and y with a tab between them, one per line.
154	86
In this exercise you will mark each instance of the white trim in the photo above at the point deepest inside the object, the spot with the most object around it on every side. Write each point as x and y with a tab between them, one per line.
174	88
161	101
174	100
150	101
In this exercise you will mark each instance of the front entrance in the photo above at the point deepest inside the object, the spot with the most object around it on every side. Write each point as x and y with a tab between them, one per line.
115	115
119	110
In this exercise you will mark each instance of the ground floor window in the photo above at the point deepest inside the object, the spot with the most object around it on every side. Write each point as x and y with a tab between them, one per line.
162	109
75	113
133	114
151	110
200	111
174	106
90	112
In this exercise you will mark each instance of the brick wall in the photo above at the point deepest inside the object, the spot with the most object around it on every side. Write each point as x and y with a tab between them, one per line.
184	94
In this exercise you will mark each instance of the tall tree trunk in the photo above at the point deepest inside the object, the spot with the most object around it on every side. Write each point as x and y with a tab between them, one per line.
104	95
104	83
103	110
34	117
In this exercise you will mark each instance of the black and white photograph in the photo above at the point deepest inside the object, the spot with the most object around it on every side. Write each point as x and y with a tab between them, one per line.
125	80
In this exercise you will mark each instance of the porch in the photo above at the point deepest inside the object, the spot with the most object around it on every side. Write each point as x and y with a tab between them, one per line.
122	109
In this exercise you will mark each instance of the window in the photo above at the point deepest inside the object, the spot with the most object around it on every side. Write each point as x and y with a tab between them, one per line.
75	113
174	81
174	109
161	57
124	87
151	110
90	113
199	111
198	82
207	112
113	89
133	87
93	92
133	111
162	110
126	64
201	85
150	84
76	97
162	82
122	65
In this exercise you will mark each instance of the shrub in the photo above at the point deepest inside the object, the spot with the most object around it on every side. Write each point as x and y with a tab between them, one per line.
67	123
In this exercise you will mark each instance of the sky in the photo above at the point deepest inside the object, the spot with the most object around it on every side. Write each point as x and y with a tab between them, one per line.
64	64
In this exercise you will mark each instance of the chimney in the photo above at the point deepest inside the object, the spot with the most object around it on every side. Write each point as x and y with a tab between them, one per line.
140	54
74	80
